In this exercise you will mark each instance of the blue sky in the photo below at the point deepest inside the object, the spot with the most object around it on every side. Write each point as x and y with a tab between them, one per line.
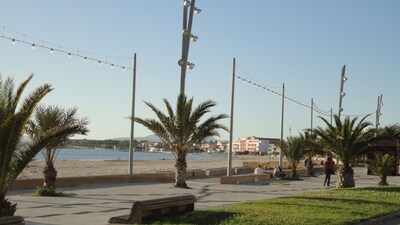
303	44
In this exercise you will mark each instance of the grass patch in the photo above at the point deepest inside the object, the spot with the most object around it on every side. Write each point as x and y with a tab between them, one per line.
40	191
330	207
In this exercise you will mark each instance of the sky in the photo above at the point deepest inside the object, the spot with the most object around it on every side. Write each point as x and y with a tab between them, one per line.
303	44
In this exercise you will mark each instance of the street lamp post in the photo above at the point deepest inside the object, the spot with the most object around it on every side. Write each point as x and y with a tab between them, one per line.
378	112
186	36
343	79
229	171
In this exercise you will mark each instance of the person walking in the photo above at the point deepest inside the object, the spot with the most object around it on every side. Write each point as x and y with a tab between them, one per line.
329	169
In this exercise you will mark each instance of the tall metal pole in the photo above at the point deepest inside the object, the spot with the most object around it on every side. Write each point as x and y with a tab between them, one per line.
282	115
378	111
186	32
131	142
341	93
331	115
228	172
312	111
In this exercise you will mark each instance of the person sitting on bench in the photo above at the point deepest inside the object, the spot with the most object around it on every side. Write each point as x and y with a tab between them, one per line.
278	172
259	170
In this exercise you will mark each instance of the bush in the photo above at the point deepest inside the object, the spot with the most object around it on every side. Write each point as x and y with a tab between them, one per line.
40	191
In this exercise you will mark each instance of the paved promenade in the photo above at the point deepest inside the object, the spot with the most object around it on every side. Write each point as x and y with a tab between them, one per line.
96	204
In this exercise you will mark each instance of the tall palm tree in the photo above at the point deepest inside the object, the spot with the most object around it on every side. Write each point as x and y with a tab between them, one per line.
346	141
311	149
182	129
382	166
47	118
16	153
293	150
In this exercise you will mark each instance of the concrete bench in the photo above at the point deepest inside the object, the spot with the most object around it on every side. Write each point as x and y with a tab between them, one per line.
12	220
155	208
245	178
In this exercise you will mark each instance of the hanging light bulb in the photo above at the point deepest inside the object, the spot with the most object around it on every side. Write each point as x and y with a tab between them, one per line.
99	62
85	58
51	51
112	66
123	68
33	46
69	55
13	41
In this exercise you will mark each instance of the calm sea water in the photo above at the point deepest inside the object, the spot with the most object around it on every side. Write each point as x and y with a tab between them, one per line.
96	154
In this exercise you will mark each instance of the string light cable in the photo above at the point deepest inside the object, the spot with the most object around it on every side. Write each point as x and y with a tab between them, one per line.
358	115
69	52
292	99
242	71
320	111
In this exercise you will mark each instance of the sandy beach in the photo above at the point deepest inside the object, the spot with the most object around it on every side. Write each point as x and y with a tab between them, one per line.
73	168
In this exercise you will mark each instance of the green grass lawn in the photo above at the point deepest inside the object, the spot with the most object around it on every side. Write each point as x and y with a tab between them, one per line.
338	206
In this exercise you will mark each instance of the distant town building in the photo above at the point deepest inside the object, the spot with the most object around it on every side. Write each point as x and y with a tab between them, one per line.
254	145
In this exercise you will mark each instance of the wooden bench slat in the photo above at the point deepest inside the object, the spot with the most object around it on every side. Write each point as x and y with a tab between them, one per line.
156	208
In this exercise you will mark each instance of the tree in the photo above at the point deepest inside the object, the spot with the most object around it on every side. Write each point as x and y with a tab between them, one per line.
47	118
15	152
391	132
346	141
381	166
182	129
311	149
294	152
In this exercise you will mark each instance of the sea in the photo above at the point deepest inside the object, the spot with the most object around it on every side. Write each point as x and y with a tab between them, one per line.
105	154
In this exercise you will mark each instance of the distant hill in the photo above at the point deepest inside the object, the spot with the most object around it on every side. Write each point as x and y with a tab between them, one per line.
153	138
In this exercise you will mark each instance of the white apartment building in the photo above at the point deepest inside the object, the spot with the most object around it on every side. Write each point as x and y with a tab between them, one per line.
253	145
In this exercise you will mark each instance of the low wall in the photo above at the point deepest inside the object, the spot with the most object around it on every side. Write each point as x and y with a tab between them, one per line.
106	179
265	165
160	177
245	178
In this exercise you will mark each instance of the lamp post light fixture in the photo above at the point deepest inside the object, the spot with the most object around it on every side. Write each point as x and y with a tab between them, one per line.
343	79
188	64
188	10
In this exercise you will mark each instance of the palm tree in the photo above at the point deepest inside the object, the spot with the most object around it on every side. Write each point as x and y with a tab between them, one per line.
182	129
47	118
382	166
15	153
294	152
391	132
346	141
311	149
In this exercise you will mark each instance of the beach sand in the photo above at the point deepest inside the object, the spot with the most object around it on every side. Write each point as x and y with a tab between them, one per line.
73	168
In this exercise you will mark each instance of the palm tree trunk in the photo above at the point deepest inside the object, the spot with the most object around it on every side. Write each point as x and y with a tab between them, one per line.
383	180
6	208
180	175
50	176
345	176
294	172
309	167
